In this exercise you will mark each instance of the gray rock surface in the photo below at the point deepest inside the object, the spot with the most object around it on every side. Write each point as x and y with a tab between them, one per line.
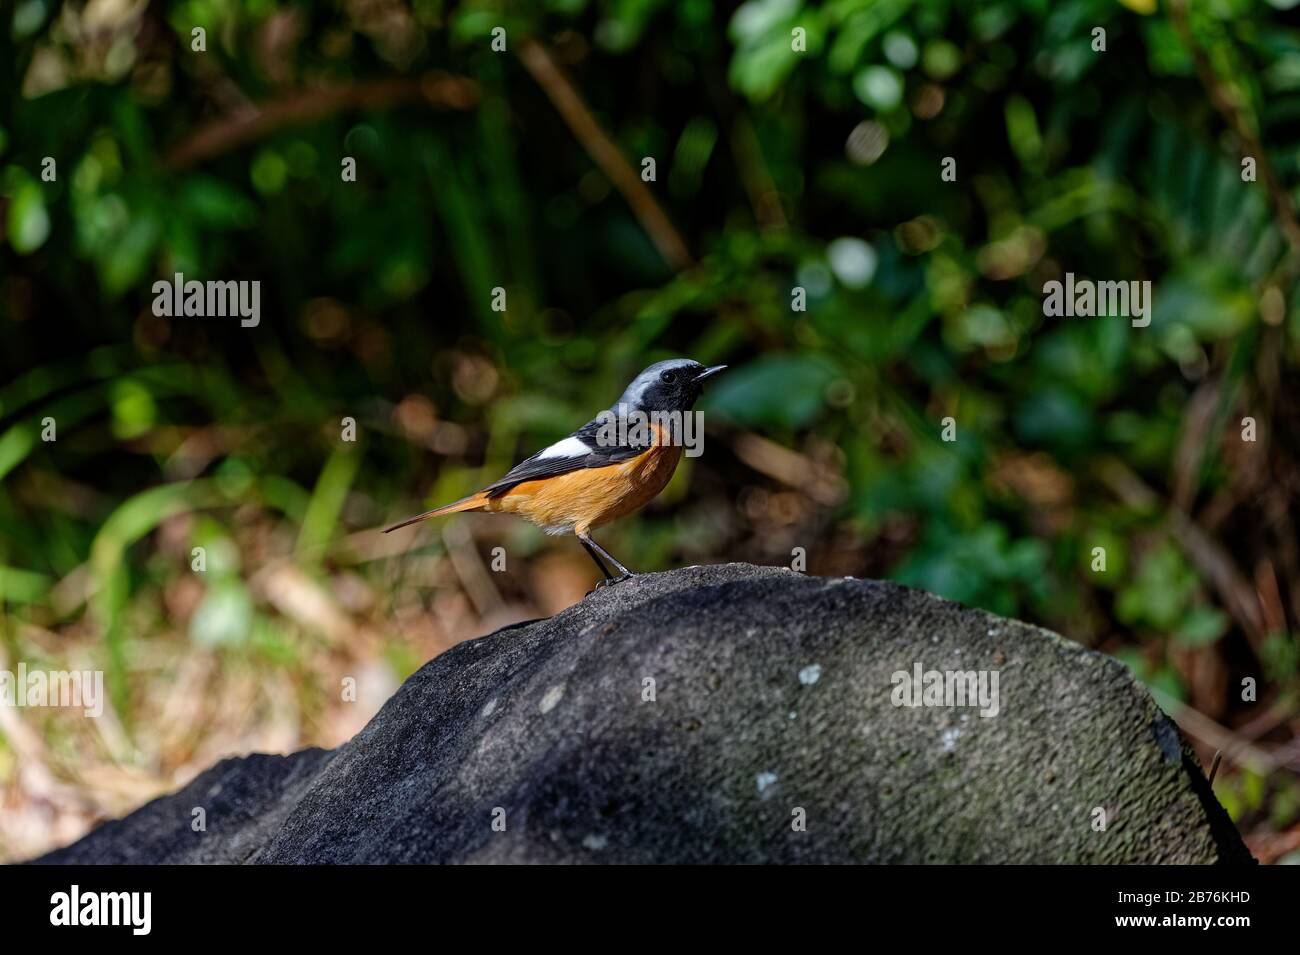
772	695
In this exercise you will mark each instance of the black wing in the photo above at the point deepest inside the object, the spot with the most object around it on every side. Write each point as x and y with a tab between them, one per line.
585	448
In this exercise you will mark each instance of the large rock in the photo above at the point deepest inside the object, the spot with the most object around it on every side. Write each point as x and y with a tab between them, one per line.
773	702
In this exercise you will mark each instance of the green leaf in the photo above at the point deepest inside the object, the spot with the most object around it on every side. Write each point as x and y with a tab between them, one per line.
776	390
19	586
1201	627
224	617
327	502
29	222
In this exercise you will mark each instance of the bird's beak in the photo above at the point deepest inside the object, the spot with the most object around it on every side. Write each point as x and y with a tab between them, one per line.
709	372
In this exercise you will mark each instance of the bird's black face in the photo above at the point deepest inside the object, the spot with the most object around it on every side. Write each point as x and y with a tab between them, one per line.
673	385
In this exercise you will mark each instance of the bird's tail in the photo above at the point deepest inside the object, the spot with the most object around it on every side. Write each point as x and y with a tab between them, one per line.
474	502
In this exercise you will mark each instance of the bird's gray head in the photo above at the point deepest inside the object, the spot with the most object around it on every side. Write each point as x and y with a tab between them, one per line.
671	385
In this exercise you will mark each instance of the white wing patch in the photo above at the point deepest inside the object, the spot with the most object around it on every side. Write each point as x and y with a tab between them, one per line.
568	448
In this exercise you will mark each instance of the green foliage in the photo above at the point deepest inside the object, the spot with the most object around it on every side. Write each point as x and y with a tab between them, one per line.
799	148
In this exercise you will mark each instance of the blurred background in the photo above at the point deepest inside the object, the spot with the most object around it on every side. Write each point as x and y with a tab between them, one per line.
783	161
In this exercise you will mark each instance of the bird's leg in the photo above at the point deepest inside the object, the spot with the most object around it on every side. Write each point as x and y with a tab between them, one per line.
603	571
623	572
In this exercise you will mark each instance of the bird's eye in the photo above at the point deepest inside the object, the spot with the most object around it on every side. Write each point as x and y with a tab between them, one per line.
668	377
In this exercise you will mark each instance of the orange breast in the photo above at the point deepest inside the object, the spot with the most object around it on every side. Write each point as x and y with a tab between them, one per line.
580	500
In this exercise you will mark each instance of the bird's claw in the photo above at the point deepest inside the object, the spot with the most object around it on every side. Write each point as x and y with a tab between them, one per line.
608	581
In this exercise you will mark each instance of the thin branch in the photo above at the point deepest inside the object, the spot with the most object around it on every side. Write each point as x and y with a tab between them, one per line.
233	131
1277	714
564	96
747	151
1236	750
1205	553
757	179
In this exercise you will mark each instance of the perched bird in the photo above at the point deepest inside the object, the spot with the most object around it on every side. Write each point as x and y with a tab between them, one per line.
611	466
